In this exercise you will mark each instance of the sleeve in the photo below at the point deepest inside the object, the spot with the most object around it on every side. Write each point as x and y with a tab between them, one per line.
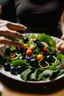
8	10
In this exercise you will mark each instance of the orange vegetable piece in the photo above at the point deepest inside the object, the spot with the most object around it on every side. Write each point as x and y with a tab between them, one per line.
39	57
29	52
25	46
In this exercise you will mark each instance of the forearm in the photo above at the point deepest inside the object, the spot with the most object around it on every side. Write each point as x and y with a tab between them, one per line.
62	23
62	27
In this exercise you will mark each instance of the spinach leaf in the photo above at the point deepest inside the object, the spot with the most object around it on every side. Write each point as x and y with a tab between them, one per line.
33	76
61	72
60	56
25	73
19	62
45	75
55	68
47	39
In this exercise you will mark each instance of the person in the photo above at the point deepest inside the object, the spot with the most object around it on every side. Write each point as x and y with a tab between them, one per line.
40	16
10	29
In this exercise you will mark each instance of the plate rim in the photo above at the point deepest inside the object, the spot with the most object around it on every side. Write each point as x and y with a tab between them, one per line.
17	77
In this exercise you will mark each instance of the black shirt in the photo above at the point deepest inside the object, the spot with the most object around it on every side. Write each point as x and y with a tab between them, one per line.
40	15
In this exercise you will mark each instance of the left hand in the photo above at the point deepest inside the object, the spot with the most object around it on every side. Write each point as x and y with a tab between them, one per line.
62	37
60	46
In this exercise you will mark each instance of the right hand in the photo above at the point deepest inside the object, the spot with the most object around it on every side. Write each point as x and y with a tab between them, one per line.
60	45
10	29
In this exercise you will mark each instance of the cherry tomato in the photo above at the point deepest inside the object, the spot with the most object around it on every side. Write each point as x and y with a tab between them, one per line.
29	52
31	47
39	57
25	46
44	49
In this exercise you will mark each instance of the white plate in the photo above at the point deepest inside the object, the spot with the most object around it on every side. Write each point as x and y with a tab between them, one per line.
17	77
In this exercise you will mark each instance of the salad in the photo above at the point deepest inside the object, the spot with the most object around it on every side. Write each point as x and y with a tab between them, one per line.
39	60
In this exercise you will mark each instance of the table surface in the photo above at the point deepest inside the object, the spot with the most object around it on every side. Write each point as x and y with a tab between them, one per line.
12	87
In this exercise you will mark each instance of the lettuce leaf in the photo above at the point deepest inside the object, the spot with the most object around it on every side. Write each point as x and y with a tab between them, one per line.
19	62
60	56
33	76
47	39
25	74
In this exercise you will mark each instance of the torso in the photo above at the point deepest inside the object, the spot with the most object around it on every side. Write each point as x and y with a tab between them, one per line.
44	14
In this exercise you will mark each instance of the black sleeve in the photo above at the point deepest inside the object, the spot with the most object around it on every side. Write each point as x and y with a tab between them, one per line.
8	10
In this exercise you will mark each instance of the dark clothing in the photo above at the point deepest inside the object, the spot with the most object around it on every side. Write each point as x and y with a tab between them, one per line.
41	16
8	10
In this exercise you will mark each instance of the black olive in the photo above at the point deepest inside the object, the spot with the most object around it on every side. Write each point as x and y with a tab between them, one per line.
8	51
13	70
20	69
49	58
25	40
53	53
46	53
36	41
39	44
17	50
7	66
33	62
22	50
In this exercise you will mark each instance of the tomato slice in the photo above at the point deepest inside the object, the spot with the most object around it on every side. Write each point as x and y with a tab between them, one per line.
13	56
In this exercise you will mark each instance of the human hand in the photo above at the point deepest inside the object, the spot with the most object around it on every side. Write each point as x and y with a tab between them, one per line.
60	46
10	29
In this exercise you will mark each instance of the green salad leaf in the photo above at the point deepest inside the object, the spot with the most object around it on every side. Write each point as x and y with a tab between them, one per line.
19	62
60	56
33	76
45	75
55	68
24	74
47	39
61	71
0	93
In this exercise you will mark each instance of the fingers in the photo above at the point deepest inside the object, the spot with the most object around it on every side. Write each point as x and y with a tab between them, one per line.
6	41
60	46
16	27
11	33
62	37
